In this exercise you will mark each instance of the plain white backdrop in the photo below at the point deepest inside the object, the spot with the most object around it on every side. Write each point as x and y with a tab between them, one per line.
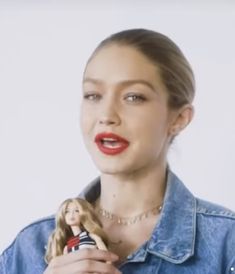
43	50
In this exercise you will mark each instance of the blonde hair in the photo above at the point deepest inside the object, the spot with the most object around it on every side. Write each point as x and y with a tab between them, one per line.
175	70
63	232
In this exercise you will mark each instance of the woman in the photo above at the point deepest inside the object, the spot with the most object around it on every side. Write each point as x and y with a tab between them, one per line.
76	228
138	91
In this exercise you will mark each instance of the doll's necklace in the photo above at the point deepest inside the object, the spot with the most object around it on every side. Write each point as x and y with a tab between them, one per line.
129	220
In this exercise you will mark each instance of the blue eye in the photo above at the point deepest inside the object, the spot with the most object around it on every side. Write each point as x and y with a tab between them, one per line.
134	98
92	97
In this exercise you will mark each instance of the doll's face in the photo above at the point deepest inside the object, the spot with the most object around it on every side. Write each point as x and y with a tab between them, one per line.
72	215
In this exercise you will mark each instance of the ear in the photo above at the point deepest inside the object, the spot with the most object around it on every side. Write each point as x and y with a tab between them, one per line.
181	118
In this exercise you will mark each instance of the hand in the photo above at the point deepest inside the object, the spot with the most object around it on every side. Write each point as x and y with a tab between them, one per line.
83	261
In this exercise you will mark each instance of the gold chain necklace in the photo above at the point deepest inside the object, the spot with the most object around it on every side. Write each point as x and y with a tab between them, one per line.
129	220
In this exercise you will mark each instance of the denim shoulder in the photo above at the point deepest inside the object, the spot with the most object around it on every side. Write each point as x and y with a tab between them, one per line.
216	228
26	253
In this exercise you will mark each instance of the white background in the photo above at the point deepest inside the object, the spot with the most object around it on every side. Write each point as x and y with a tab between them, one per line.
43	50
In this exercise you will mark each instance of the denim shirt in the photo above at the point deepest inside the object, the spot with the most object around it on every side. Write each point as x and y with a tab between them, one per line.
192	236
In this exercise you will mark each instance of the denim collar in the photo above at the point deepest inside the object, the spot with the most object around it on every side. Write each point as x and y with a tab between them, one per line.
173	237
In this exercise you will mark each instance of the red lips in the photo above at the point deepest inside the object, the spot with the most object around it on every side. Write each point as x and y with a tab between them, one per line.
110	143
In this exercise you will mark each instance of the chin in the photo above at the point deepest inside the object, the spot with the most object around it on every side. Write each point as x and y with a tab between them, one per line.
115	168
113	165
111	169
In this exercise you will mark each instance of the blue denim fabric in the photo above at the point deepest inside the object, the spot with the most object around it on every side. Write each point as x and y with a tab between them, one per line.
192	236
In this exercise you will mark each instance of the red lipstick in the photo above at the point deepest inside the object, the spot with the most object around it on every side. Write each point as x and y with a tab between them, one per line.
110	143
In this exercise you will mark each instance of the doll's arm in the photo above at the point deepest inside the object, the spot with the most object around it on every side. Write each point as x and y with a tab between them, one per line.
99	242
65	251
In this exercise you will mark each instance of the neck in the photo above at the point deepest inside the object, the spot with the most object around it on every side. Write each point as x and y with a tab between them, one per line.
76	230
129	194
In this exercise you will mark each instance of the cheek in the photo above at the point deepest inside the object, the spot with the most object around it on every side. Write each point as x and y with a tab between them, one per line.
86	120
151	124
78	218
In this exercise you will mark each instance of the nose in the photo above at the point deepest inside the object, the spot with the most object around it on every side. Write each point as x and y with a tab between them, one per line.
107	120
109	113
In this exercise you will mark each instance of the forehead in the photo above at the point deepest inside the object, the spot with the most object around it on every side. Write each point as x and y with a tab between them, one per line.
71	205
114	63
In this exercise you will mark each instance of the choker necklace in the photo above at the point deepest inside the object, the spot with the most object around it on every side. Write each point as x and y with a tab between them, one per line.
129	220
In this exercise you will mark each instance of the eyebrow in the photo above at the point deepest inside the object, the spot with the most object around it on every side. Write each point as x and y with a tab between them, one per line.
71	208
124	83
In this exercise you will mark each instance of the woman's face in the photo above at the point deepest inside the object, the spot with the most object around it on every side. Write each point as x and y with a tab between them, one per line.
72	215
124	115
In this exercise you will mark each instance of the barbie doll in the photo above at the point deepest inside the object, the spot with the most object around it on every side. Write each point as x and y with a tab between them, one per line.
76	228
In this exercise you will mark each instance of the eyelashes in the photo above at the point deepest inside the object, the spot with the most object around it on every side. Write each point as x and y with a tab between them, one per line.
92	97
130	98
134	98
70	210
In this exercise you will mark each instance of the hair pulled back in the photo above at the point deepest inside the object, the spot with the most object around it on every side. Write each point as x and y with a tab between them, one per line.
175	70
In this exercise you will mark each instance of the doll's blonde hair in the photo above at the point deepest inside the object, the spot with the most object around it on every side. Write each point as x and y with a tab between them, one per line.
63	232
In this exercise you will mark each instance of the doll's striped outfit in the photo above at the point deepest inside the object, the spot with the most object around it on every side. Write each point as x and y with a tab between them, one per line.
82	240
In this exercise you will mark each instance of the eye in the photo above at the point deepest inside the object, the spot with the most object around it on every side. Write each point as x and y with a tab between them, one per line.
76	210
92	96
134	98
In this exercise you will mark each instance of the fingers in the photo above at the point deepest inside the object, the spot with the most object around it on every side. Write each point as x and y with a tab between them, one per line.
86	266
84	254
84	261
